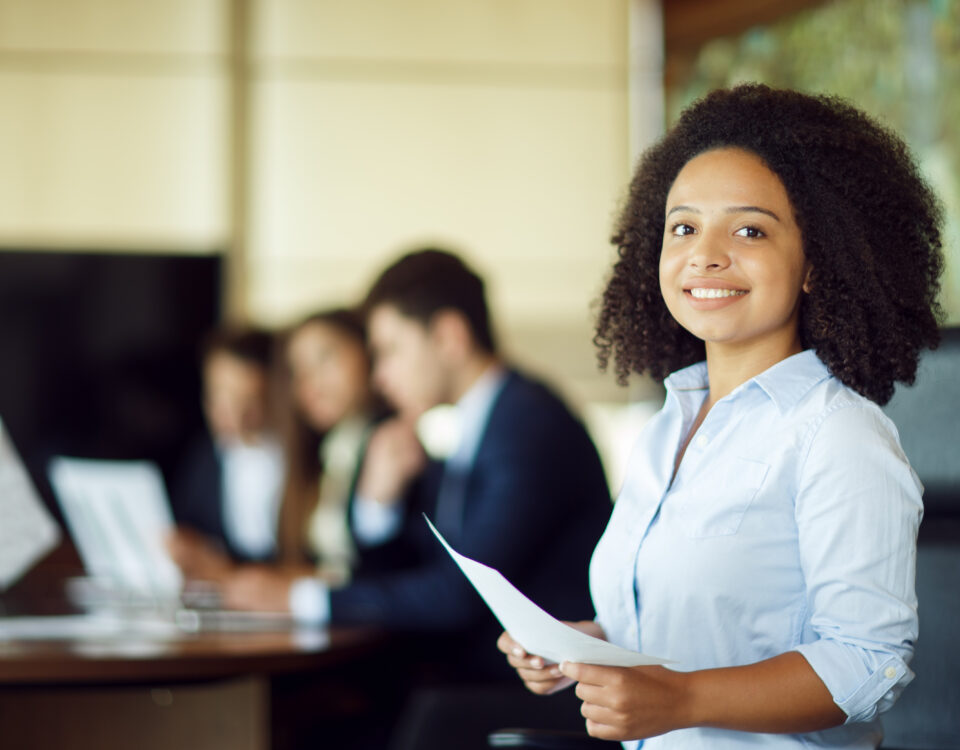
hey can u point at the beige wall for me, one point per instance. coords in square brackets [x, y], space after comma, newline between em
[499, 128]
[112, 124]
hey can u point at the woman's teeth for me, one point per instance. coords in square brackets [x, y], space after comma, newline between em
[716, 293]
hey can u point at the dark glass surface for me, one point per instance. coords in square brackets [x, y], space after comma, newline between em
[99, 353]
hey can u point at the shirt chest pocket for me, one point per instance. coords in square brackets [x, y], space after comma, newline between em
[714, 503]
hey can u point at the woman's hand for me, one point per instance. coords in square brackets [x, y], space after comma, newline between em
[197, 557]
[780, 695]
[628, 703]
[538, 676]
[258, 588]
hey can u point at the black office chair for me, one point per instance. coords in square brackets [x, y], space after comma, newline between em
[927, 415]
[466, 717]
[927, 716]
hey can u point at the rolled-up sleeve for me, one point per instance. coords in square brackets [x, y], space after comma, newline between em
[858, 510]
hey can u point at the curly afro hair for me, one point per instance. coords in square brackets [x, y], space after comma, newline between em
[870, 227]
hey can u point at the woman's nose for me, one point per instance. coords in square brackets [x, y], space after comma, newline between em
[710, 253]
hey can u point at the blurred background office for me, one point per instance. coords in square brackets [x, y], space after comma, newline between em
[166, 165]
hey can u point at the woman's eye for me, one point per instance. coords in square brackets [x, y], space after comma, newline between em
[751, 232]
[681, 230]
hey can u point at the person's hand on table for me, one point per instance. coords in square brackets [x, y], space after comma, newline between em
[538, 676]
[260, 588]
[197, 557]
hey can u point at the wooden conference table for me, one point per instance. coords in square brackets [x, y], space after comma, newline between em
[169, 689]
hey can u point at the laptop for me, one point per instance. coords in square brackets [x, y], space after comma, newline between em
[118, 514]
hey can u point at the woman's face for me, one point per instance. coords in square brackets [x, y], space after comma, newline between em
[330, 374]
[732, 266]
[234, 397]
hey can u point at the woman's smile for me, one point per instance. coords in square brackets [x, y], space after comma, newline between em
[709, 294]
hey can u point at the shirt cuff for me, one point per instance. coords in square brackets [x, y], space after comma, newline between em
[375, 523]
[863, 683]
[310, 601]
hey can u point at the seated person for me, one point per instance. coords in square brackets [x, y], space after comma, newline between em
[524, 490]
[331, 413]
[226, 494]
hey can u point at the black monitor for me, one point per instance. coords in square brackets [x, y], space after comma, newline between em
[99, 352]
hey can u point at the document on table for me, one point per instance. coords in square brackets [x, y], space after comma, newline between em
[27, 531]
[118, 513]
[538, 632]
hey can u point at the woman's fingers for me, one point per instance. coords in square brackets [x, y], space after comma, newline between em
[548, 674]
[537, 675]
[528, 662]
[517, 657]
[506, 644]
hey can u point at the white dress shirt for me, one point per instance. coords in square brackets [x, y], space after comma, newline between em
[252, 484]
[790, 525]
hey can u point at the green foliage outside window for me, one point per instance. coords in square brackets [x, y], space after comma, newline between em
[899, 60]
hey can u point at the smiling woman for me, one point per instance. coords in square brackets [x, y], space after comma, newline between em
[779, 260]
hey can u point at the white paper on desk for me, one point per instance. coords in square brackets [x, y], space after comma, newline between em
[27, 531]
[538, 632]
[118, 514]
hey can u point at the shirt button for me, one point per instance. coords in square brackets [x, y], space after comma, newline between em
[890, 673]
[702, 441]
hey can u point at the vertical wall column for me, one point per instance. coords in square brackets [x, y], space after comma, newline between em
[645, 76]
[234, 290]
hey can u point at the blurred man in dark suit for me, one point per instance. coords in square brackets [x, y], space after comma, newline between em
[522, 488]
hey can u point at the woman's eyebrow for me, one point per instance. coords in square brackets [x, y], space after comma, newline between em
[730, 210]
[752, 209]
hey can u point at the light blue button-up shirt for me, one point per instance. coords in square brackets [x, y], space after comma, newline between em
[791, 524]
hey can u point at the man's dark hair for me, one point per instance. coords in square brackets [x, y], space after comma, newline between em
[870, 227]
[425, 282]
[247, 343]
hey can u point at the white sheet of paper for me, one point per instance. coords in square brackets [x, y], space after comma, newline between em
[538, 632]
[27, 531]
[118, 513]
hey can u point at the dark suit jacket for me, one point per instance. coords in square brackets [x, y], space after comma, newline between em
[534, 504]
[197, 501]
[196, 496]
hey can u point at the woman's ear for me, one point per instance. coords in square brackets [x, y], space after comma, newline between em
[808, 280]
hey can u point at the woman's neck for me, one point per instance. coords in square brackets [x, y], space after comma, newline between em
[730, 366]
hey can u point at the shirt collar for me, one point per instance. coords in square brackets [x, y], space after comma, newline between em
[791, 379]
[692, 378]
[264, 443]
[473, 410]
[785, 383]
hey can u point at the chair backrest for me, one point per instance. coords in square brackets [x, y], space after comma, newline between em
[927, 416]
